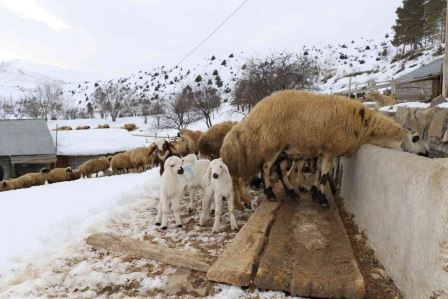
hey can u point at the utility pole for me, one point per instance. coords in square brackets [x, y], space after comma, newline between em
[349, 86]
[445, 66]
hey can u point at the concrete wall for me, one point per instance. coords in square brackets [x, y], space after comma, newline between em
[400, 201]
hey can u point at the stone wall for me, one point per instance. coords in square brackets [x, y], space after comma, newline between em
[400, 201]
[430, 123]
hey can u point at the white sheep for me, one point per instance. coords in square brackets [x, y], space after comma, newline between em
[219, 185]
[171, 191]
[194, 171]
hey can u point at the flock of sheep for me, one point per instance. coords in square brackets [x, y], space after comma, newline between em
[284, 132]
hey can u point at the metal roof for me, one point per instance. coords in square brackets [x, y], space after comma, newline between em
[25, 137]
[430, 70]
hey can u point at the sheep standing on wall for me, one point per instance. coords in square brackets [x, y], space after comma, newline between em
[171, 191]
[219, 188]
[304, 125]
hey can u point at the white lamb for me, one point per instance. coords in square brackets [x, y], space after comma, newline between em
[219, 185]
[171, 191]
[194, 171]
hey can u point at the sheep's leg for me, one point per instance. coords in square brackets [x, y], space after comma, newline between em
[212, 207]
[327, 163]
[159, 213]
[192, 194]
[175, 206]
[236, 189]
[218, 211]
[267, 165]
[165, 211]
[206, 201]
[233, 224]
[283, 173]
[314, 191]
[296, 175]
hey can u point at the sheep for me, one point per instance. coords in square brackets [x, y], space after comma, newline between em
[194, 171]
[82, 127]
[94, 166]
[105, 126]
[171, 190]
[142, 157]
[220, 186]
[164, 149]
[57, 175]
[191, 139]
[304, 125]
[39, 178]
[120, 163]
[63, 128]
[211, 141]
[130, 127]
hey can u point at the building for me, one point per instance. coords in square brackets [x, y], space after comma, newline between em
[25, 146]
[422, 84]
[77, 146]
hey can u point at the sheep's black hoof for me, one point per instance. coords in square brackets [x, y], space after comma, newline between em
[164, 227]
[322, 199]
[314, 192]
[179, 225]
[303, 190]
[256, 182]
[247, 206]
[190, 210]
[212, 211]
[270, 194]
[334, 190]
[158, 223]
[291, 193]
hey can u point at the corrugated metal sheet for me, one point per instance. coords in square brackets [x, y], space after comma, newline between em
[26, 137]
[432, 69]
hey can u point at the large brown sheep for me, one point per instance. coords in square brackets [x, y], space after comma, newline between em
[93, 166]
[120, 163]
[57, 175]
[191, 140]
[142, 157]
[304, 125]
[211, 141]
[39, 178]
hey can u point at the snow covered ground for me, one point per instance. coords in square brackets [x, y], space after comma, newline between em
[45, 254]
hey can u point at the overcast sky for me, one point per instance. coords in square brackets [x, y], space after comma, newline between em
[115, 37]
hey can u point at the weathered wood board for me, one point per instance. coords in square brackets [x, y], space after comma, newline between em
[236, 265]
[175, 257]
[309, 254]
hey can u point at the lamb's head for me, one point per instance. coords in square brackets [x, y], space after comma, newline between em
[174, 165]
[218, 168]
[189, 159]
[414, 144]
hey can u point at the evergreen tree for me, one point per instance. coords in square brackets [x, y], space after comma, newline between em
[435, 14]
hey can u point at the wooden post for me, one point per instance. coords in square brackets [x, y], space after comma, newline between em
[445, 67]
[393, 88]
[349, 86]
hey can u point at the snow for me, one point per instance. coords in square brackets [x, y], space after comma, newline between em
[394, 108]
[443, 105]
[95, 141]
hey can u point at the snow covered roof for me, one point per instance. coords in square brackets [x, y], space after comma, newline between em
[95, 142]
[25, 137]
[431, 69]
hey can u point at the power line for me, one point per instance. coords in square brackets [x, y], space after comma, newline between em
[213, 32]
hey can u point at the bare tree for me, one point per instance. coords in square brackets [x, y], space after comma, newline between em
[156, 109]
[261, 77]
[111, 98]
[179, 110]
[11, 108]
[206, 99]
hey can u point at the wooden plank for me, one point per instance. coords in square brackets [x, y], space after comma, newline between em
[236, 265]
[309, 254]
[175, 257]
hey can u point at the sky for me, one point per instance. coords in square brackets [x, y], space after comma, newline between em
[116, 37]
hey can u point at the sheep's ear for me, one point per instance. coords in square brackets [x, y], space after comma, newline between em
[69, 169]
[45, 170]
[4, 184]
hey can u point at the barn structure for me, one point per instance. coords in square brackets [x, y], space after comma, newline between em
[26, 146]
[77, 146]
[422, 84]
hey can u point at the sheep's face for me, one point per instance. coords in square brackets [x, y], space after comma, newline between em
[159, 144]
[217, 168]
[189, 159]
[414, 144]
[3, 186]
[174, 165]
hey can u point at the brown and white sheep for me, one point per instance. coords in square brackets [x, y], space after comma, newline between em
[93, 166]
[142, 157]
[304, 125]
[57, 175]
[211, 141]
[120, 163]
[82, 127]
[164, 150]
[191, 140]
